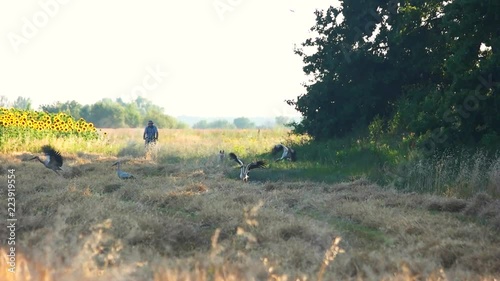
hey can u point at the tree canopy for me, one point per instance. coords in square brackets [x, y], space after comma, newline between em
[424, 68]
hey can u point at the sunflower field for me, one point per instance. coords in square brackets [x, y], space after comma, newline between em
[25, 125]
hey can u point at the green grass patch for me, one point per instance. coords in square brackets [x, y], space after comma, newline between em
[366, 236]
[371, 236]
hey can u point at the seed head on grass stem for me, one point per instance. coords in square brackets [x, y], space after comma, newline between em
[250, 214]
[330, 255]
[216, 247]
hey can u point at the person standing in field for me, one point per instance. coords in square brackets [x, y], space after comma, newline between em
[150, 135]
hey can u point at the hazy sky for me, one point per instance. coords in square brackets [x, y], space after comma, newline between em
[189, 58]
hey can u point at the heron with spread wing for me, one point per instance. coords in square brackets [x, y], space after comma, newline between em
[245, 169]
[288, 153]
[121, 174]
[53, 159]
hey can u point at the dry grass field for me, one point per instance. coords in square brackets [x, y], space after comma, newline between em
[187, 216]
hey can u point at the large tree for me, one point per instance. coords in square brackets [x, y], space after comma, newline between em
[351, 79]
[427, 67]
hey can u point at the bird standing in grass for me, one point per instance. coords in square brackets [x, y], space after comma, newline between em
[288, 153]
[221, 156]
[121, 174]
[53, 160]
[245, 169]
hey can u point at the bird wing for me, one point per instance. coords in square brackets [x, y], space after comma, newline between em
[54, 157]
[235, 158]
[276, 148]
[47, 160]
[285, 152]
[257, 164]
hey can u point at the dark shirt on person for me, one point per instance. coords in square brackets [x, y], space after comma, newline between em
[150, 133]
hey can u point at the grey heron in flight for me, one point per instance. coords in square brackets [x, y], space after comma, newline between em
[53, 159]
[245, 169]
[121, 174]
[288, 153]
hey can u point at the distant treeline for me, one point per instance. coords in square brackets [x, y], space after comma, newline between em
[107, 113]
[241, 123]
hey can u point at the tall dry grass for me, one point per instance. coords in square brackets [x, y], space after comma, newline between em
[462, 174]
[190, 144]
[187, 216]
